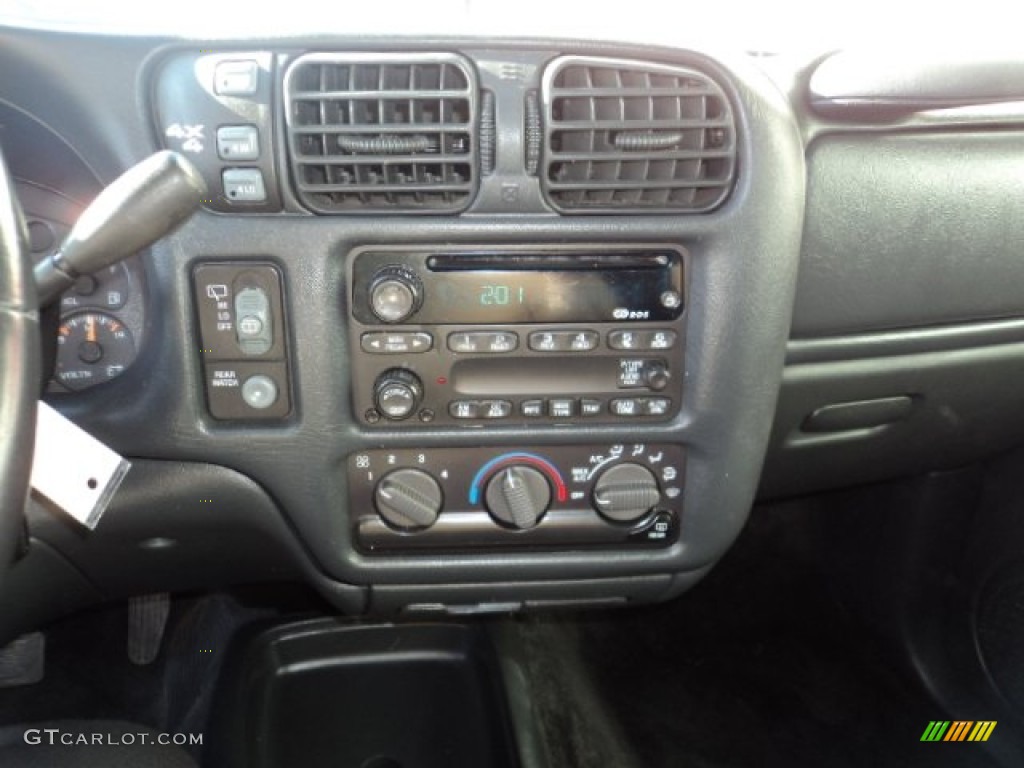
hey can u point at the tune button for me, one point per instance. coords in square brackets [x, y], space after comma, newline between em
[397, 393]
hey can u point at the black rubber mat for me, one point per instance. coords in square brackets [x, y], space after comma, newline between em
[757, 666]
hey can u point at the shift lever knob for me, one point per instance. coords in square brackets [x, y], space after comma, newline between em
[142, 205]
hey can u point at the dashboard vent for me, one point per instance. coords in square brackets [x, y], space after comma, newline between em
[635, 136]
[382, 132]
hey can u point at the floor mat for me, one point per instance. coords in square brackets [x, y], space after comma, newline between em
[756, 666]
[89, 675]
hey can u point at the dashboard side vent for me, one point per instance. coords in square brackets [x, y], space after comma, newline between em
[372, 132]
[635, 136]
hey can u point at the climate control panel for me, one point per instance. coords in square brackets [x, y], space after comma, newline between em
[464, 499]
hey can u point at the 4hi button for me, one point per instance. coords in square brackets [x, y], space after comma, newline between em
[259, 392]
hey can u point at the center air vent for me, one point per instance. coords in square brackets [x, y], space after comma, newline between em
[382, 132]
[627, 135]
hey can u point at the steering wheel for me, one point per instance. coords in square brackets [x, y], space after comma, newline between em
[19, 369]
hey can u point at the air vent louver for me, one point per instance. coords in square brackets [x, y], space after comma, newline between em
[635, 136]
[382, 132]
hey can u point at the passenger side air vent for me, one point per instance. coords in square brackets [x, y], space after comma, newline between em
[382, 132]
[634, 136]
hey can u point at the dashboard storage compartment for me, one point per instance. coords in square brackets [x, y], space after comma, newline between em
[323, 694]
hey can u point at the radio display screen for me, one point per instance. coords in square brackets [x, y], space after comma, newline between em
[503, 289]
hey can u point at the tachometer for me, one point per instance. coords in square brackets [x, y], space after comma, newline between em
[92, 347]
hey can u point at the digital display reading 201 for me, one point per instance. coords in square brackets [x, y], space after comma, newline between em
[489, 288]
[500, 295]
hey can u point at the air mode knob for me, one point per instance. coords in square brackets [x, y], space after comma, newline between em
[518, 496]
[409, 499]
[397, 393]
[626, 492]
[396, 294]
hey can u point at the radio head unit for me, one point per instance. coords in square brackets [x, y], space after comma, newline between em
[518, 288]
[463, 336]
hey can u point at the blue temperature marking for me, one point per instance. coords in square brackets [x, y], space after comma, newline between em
[474, 488]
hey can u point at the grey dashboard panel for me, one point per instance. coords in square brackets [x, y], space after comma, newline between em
[870, 82]
[910, 229]
[744, 261]
[956, 406]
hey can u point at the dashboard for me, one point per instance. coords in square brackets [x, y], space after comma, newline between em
[469, 325]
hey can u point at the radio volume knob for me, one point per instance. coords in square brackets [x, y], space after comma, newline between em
[396, 294]
[518, 496]
[397, 393]
[626, 492]
[408, 499]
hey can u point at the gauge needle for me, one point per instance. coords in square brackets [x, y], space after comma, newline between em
[90, 330]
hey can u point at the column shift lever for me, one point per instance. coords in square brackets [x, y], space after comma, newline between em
[142, 205]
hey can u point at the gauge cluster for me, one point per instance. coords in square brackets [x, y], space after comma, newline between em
[101, 315]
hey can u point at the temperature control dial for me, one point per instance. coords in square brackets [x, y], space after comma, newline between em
[626, 492]
[396, 293]
[518, 496]
[408, 499]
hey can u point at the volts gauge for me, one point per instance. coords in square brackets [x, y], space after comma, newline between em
[92, 348]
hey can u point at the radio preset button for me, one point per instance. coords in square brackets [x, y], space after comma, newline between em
[382, 343]
[583, 341]
[487, 342]
[590, 407]
[661, 339]
[561, 407]
[500, 341]
[563, 341]
[625, 340]
[642, 340]
[463, 342]
[532, 409]
[543, 341]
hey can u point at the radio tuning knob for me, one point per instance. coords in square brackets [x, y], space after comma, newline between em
[396, 294]
[626, 492]
[518, 496]
[397, 393]
[408, 499]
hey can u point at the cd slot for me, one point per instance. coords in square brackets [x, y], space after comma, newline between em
[553, 261]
